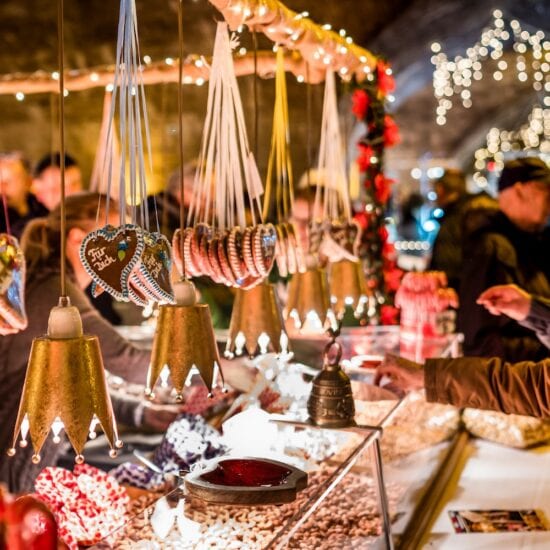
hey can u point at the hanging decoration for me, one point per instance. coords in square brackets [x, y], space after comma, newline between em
[13, 317]
[533, 137]
[219, 241]
[455, 76]
[256, 325]
[376, 252]
[279, 191]
[334, 235]
[130, 262]
[308, 309]
[184, 341]
[319, 46]
[65, 386]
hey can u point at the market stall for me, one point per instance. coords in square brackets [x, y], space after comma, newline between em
[283, 439]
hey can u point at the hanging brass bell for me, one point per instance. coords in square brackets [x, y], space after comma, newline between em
[184, 343]
[308, 305]
[256, 323]
[348, 288]
[330, 403]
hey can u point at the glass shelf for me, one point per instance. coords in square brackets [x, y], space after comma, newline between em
[349, 502]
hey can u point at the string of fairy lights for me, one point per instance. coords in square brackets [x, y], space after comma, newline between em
[454, 77]
[196, 68]
[534, 135]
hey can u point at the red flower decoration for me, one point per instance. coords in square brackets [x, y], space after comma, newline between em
[392, 279]
[391, 131]
[360, 103]
[362, 219]
[363, 159]
[388, 251]
[382, 188]
[389, 315]
[386, 82]
[383, 232]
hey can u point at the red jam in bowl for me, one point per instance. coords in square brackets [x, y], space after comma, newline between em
[246, 472]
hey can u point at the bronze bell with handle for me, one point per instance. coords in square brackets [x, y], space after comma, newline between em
[330, 404]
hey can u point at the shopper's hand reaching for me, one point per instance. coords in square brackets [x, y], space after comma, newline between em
[404, 375]
[508, 299]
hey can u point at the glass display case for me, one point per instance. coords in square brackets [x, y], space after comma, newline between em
[364, 485]
[367, 485]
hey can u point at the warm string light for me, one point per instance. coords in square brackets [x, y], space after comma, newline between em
[320, 45]
[533, 135]
[196, 72]
[455, 76]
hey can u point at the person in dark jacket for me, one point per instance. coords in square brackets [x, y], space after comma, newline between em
[15, 188]
[493, 384]
[457, 204]
[507, 247]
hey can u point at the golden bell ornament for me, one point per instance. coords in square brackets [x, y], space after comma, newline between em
[184, 343]
[308, 305]
[65, 387]
[256, 323]
[348, 288]
[330, 404]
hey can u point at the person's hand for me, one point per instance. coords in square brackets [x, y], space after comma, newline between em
[508, 299]
[159, 417]
[239, 375]
[404, 375]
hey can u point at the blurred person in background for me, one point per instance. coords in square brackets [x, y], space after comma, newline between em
[46, 183]
[15, 186]
[165, 206]
[507, 246]
[457, 205]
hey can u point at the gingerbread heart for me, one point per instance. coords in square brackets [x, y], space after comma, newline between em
[12, 286]
[264, 240]
[235, 253]
[154, 269]
[110, 254]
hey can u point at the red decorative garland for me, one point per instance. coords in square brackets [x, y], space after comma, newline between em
[378, 255]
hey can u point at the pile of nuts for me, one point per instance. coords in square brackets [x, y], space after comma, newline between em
[349, 516]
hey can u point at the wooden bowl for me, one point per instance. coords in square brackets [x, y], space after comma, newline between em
[246, 482]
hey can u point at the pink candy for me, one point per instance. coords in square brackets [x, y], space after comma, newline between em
[88, 504]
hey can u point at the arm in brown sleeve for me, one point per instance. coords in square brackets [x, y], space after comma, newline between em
[514, 388]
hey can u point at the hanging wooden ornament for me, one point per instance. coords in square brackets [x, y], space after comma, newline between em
[279, 191]
[338, 236]
[220, 241]
[308, 309]
[130, 262]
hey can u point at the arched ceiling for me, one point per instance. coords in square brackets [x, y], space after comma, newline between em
[401, 30]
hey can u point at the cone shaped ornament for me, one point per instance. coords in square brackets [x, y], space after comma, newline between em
[348, 287]
[308, 306]
[65, 387]
[184, 341]
[256, 323]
